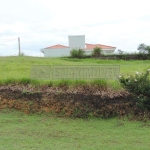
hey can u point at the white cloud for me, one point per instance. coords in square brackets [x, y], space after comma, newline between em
[41, 23]
[15, 28]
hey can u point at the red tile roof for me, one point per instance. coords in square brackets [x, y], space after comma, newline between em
[57, 46]
[88, 46]
[92, 46]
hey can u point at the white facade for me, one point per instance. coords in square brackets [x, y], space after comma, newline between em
[104, 51]
[108, 51]
[77, 41]
[56, 52]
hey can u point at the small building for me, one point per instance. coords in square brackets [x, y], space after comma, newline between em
[75, 42]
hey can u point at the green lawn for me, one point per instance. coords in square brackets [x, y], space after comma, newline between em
[19, 67]
[42, 132]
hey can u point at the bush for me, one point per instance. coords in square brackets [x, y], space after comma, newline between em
[22, 54]
[77, 53]
[81, 53]
[139, 85]
[97, 51]
[74, 53]
[143, 56]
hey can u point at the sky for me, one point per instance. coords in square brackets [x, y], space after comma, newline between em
[123, 24]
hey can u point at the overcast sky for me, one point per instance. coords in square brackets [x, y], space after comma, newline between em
[42, 23]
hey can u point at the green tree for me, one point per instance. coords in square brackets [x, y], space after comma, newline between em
[143, 48]
[148, 49]
[97, 51]
[81, 53]
[74, 53]
[77, 53]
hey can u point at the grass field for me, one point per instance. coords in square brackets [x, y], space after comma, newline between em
[42, 132]
[19, 67]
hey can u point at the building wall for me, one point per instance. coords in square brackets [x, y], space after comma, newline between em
[57, 52]
[61, 52]
[108, 51]
[104, 51]
[77, 41]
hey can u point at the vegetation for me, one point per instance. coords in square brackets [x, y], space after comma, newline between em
[77, 53]
[40, 132]
[19, 67]
[22, 54]
[143, 48]
[97, 51]
[12, 72]
[35, 82]
[49, 131]
[125, 56]
[139, 85]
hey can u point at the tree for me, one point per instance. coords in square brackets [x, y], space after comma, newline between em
[97, 51]
[77, 53]
[143, 48]
[81, 53]
[148, 49]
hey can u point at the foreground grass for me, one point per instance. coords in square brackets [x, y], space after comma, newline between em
[40, 132]
[19, 67]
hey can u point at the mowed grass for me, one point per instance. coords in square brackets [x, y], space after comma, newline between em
[19, 67]
[47, 131]
[42, 132]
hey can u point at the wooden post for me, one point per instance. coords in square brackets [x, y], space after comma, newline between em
[19, 46]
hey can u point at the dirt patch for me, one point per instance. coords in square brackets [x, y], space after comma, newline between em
[79, 101]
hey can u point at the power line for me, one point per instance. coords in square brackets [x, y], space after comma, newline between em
[10, 44]
[8, 40]
[3, 45]
[7, 46]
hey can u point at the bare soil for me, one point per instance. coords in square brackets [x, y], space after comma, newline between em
[79, 101]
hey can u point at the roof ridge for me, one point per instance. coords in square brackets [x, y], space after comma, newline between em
[100, 45]
[55, 46]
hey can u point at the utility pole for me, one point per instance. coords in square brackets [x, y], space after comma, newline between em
[19, 46]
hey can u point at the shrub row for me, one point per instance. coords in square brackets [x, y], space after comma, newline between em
[97, 53]
[79, 53]
[139, 85]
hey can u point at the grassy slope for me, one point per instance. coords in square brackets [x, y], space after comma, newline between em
[18, 131]
[19, 67]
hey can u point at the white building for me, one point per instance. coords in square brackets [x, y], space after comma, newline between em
[75, 42]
